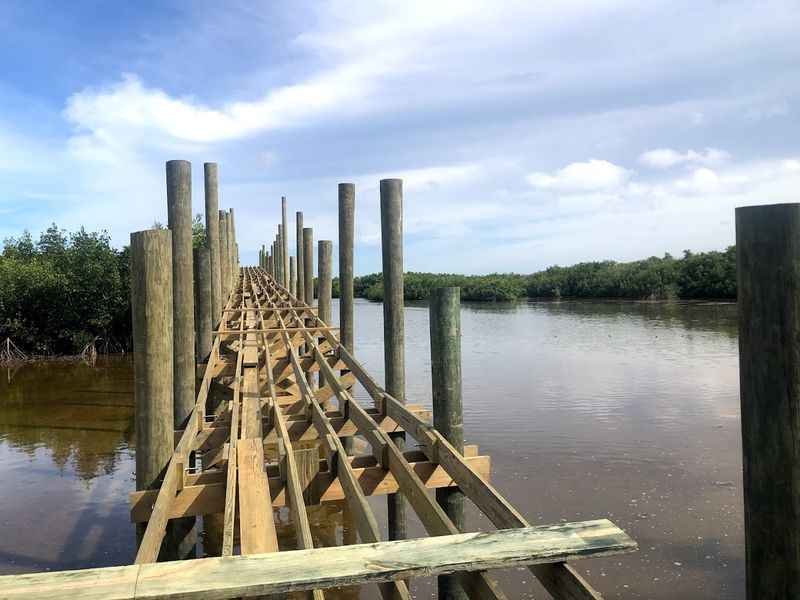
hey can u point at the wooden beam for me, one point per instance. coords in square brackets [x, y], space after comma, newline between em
[278, 573]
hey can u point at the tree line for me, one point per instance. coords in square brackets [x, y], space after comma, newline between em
[693, 276]
[65, 290]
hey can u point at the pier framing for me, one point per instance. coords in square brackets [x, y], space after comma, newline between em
[272, 414]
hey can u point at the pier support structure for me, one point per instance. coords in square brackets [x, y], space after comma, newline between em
[448, 416]
[203, 296]
[768, 276]
[211, 180]
[391, 191]
[301, 290]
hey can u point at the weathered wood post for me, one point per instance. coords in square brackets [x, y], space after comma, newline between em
[347, 203]
[270, 267]
[232, 250]
[279, 247]
[182, 534]
[202, 303]
[179, 216]
[151, 312]
[325, 289]
[308, 280]
[224, 263]
[308, 265]
[292, 276]
[768, 275]
[448, 416]
[325, 280]
[285, 245]
[391, 191]
[299, 252]
[212, 238]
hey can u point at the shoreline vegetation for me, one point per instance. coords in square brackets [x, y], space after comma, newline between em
[69, 290]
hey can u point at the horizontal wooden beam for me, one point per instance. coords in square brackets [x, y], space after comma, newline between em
[209, 498]
[283, 572]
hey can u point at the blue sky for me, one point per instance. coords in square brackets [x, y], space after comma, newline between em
[527, 133]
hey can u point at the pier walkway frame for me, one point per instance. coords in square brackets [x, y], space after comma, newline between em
[274, 438]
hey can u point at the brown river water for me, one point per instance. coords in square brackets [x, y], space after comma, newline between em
[589, 409]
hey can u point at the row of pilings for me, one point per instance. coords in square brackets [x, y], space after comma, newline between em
[179, 295]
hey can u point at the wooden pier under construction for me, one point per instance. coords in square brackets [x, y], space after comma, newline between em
[271, 425]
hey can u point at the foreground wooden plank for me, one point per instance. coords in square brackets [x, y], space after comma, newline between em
[256, 575]
[256, 525]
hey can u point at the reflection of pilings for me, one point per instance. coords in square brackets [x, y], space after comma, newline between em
[767, 258]
[445, 331]
[151, 312]
[391, 191]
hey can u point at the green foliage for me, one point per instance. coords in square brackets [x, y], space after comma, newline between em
[703, 275]
[198, 231]
[59, 294]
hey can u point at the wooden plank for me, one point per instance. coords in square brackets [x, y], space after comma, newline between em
[252, 576]
[256, 525]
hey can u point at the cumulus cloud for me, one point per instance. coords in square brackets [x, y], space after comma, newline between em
[663, 158]
[593, 174]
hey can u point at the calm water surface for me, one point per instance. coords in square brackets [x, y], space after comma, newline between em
[588, 409]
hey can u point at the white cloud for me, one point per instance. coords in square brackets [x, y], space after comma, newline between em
[663, 158]
[591, 175]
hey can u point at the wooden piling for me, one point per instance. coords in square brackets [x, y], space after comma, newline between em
[179, 215]
[203, 297]
[234, 267]
[308, 265]
[151, 312]
[391, 192]
[292, 276]
[448, 416]
[768, 272]
[299, 252]
[347, 201]
[224, 263]
[211, 181]
[325, 280]
[285, 244]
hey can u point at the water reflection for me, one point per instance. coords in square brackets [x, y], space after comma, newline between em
[589, 409]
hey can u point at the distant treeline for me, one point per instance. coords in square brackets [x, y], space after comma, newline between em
[695, 275]
[65, 290]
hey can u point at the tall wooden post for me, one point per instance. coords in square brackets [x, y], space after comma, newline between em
[292, 276]
[202, 303]
[212, 237]
[279, 249]
[308, 265]
[285, 245]
[301, 289]
[151, 312]
[393, 326]
[224, 263]
[179, 215]
[448, 416]
[325, 280]
[768, 274]
[234, 267]
[347, 202]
